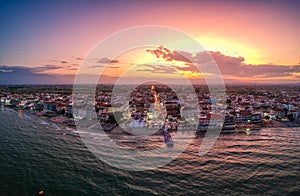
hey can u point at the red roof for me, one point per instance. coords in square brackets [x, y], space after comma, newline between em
[212, 116]
[245, 112]
[277, 109]
[61, 104]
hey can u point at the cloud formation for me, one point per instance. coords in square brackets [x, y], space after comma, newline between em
[46, 68]
[233, 66]
[168, 55]
[103, 62]
[97, 66]
[161, 69]
[228, 66]
[107, 61]
[37, 75]
[233, 69]
[113, 67]
[60, 61]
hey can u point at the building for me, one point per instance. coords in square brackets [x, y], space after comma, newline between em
[246, 116]
[210, 120]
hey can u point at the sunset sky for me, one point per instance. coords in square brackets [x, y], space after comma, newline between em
[251, 41]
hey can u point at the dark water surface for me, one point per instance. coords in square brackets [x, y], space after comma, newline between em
[37, 155]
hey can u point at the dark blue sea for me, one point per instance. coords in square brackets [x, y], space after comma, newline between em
[39, 155]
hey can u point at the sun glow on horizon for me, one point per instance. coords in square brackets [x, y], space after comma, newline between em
[232, 48]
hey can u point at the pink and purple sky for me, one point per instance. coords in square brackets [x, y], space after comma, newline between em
[251, 41]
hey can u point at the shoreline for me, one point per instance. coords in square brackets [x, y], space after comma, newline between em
[117, 130]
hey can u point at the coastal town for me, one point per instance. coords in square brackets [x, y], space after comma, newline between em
[151, 107]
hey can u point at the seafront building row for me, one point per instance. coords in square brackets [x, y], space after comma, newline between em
[150, 109]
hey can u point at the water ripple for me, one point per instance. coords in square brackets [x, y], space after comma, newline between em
[35, 155]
